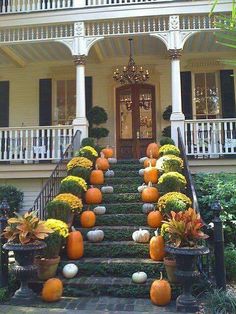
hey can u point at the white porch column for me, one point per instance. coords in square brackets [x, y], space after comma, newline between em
[177, 116]
[80, 122]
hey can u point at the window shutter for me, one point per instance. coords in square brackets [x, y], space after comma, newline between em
[186, 93]
[4, 103]
[45, 102]
[88, 93]
[227, 93]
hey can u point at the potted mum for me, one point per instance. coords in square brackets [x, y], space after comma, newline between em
[24, 235]
[48, 261]
[183, 234]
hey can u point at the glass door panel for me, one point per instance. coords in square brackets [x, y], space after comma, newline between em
[126, 114]
[145, 114]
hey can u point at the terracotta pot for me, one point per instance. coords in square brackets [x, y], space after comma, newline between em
[170, 266]
[47, 267]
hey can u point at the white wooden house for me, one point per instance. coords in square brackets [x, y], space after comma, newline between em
[57, 59]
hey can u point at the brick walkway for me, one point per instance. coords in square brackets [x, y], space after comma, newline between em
[86, 305]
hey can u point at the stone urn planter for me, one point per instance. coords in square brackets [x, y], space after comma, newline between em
[24, 268]
[187, 274]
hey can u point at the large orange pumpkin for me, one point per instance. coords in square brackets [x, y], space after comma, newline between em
[150, 194]
[150, 174]
[93, 196]
[108, 152]
[96, 176]
[102, 163]
[157, 247]
[75, 245]
[52, 290]
[152, 150]
[160, 292]
[149, 162]
[87, 219]
[154, 219]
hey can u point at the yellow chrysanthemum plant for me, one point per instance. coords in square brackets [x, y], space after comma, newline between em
[80, 167]
[74, 202]
[88, 152]
[74, 185]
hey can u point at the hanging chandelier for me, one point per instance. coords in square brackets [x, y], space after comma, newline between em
[131, 74]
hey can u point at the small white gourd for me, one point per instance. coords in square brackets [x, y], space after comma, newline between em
[147, 208]
[95, 235]
[142, 187]
[99, 210]
[112, 160]
[139, 277]
[141, 160]
[109, 173]
[70, 270]
[107, 189]
[141, 236]
[141, 172]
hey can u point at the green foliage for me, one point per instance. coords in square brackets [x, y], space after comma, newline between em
[97, 115]
[54, 242]
[219, 302]
[167, 113]
[13, 196]
[169, 149]
[173, 201]
[4, 294]
[98, 132]
[168, 163]
[166, 131]
[166, 140]
[222, 186]
[171, 181]
[58, 210]
[80, 172]
[230, 262]
[88, 141]
[71, 187]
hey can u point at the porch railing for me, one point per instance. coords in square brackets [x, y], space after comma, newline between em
[29, 144]
[212, 138]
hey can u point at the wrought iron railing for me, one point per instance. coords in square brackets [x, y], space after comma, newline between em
[52, 186]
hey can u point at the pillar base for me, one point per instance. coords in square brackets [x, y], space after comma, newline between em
[82, 125]
[177, 120]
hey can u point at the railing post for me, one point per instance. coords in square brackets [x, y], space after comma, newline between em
[4, 207]
[219, 246]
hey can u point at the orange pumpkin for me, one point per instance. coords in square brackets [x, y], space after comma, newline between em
[52, 290]
[150, 194]
[75, 245]
[154, 219]
[102, 163]
[93, 196]
[160, 292]
[152, 150]
[88, 219]
[149, 162]
[157, 247]
[96, 176]
[108, 152]
[150, 174]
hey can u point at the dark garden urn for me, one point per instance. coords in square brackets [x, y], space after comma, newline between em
[187, 274]
[24, 268]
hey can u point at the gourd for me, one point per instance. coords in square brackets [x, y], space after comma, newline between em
[147, 208]
[93, 196]
[141, 172]
[52, 290]
[109, 173]
[70, 270]
[139, 277]
[74, 245]
[157, 247]
[154, 219]
[88, 219]
[150, 161]
[150, 194]
[107, 189]
[102, 163]
[99, 210]
[152, 150]
[142, 160]
[112, 160]
[142, 187]
[150, 174]
[96, 176]
[141, 236]
[95, 235]
[160, 292]
[108, 152]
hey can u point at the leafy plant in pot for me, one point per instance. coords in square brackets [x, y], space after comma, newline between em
[24, 234]
[183, 234]
[48, 261]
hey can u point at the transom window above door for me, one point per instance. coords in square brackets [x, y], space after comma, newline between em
[206, 97]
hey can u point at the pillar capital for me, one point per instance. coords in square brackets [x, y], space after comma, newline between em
[174, 54]
[79, 59]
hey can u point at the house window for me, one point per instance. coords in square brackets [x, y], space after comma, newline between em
[65, 101]
[206, 98]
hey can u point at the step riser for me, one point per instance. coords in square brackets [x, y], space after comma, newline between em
[121, 198]
[121, 220]
[122, 188]
[124, 167]
[120, 180]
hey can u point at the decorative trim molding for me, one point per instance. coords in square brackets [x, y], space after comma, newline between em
[174, 54]
[79, 59]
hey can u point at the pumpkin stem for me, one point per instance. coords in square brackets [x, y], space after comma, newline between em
[156, 232]
[96, 167]
[102, 155]
[161, 276]
[73, 229]
[149, 184]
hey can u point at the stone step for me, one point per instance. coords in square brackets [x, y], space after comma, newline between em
[122, 187]
[121, 220]
[118, 267]
[133, 167]
[116, 233]
[124, 180]
[116, 249]
[121, 198]
[127, 161]
[126, 173]
[122, 208]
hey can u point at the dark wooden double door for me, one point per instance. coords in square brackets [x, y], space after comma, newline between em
[136, 122]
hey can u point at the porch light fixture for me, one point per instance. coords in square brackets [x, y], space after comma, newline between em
[131, 74]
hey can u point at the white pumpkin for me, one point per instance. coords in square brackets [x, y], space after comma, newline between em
[109, 173]
[112, 160]
[141, 236]
[141, 172]
[147, 208]
[141, 160]
[99, 210]
[107, 189]
[70, 270]
[142, 187]
[139, 277]
[95, 235]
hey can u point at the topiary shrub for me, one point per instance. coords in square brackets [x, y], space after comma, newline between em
[166, 131]
[166, 140]
[167, 113]
[171, 182]
[168, 163]
[98, 133]
[175, 201]
[13, 196]
[169, 149]
[88, 141]
[97, 115]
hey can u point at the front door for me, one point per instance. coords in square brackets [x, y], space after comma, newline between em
[136, 123]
